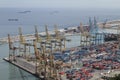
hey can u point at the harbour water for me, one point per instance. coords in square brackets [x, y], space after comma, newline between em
[40, 17]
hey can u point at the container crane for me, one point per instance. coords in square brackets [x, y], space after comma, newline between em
[22, 40]
[12, 49]
[41, 55]
[38, 38]
[49, 50]
[84, 39]
[60, 39]
[95, 26]
[98, 36]
[46, 49]
[24, 43]
[38, 58]
[48, 37]
[36, 34]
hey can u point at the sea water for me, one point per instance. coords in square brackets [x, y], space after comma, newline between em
[38, 16]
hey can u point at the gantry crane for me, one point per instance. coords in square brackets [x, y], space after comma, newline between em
[38, 57]
[60, 40]
[37, 35]
[12, 49]
[24, 43]
[97, 33]
[47, 65]
[85, 36]
[41, 57]
[44, 56]
[49, 48]
[96, 37]
[48, 37]
[38, 38]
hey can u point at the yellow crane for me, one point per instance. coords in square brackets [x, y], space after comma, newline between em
[38, 58]
[41, 61]
[85, 36]
[49, 50]
[60, 39]
[45, 57]
[24, 44]
[22, 40]
[12, 49]
[37, 52]
[48, 37]
[38, 38]
[10, 42]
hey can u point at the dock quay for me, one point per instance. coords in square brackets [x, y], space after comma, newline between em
[48, 57]
[24, 65]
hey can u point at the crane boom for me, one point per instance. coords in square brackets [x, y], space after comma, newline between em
[47, 33]
[56, 32]
[9, 41]
[36, 33]
[22, 40]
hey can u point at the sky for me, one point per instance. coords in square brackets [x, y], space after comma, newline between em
[60, 4]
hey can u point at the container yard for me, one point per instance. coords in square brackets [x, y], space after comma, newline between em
[46, 55]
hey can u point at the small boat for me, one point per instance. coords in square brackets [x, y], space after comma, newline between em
[12, 19]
